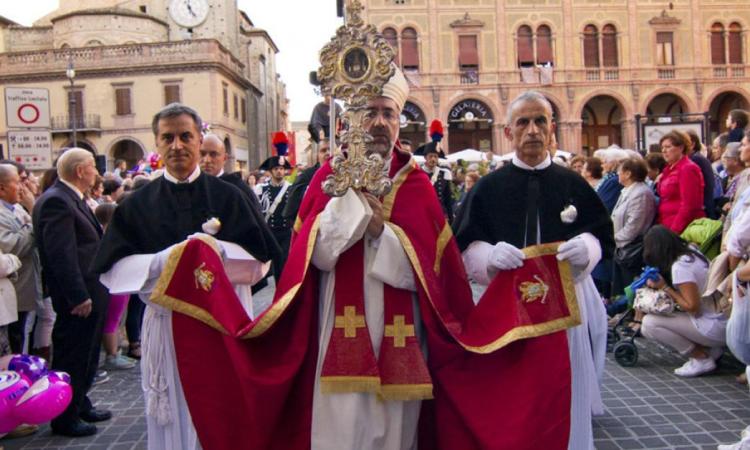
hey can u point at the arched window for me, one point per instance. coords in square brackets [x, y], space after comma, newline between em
[609, 46]
[590, 46]
[525, 44]
[391, 37]
[409, 49]
[735, 43]
[544, 45]
[718, 49]
[94, 43]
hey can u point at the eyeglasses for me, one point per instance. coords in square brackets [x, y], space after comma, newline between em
[388, 115]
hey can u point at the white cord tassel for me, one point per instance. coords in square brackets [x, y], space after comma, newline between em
[155, 383]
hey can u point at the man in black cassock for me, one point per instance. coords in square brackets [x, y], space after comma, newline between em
[273, 198]
[176, 205]
[533, 201]
[139, 241]
[213, 158]
[299, 187]
[440, 178]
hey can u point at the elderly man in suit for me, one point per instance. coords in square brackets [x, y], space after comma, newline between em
[17, 238]
[68, 238]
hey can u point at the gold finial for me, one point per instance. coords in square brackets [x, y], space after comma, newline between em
[354, 67]
[354, 10]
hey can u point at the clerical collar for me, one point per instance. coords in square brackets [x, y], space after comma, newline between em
[220, 173]
[75, 189]
[542, 165]
[193, 176]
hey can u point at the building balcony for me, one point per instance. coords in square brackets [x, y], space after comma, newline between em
[122, 58]
[86, 122]
[554, 76]
[729, 71]
[469, 76]
[608, 74]
[665, 73]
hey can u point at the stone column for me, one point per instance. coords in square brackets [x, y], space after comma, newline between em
[570, 136]
[498, 140]
[627, 130]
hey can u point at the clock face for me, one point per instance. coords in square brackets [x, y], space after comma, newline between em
[188, 13]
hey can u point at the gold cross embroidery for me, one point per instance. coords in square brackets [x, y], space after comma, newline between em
[399, 331]
[350, 321]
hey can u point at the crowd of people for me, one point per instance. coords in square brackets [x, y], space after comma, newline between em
[78, 261]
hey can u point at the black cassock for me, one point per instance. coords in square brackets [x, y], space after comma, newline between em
[163, 213]
[499, 206]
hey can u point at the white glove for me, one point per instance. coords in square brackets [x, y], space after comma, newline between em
[575, 252]
[505, 256]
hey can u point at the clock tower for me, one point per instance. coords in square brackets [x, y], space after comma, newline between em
[201, 19]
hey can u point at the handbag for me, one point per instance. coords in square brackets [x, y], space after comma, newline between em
[630, 256]
[652, 301]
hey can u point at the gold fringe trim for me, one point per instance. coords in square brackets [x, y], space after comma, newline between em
[405, 392]
[523, 332]
[541, 249]
[297, 224]
[390, 199]
[445, 237]
[349, 384]
[275, 311]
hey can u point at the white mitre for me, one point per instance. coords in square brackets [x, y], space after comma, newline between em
[397, 88]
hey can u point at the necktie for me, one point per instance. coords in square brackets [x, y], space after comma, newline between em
[532, 209]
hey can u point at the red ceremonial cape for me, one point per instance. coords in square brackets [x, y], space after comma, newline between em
[493, 387]
[242, 393]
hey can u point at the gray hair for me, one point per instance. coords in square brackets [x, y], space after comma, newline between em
[175, 110]
[528, 96]
[211, 136]
[6, 171]
[69, 161]
[732, 150]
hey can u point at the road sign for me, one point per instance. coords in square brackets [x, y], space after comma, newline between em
[27, 107]
[33, 149]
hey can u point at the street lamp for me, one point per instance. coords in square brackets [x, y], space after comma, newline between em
[71, 74]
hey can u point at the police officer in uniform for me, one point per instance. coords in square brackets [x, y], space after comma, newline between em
[273, 197]
[440, 178]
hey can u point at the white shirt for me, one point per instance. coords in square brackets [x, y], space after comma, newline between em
[75, 189]
[193, 176]
[709, 323]
[542, 165]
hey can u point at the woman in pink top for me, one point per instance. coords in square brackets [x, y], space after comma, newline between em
[680, 185]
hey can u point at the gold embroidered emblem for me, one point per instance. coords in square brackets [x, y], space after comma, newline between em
[399, 331]
[204, 278]
[350, 321]
[531, 292]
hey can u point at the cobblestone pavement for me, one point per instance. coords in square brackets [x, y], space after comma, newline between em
[647, 407]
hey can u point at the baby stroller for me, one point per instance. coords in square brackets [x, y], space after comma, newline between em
[706, 235]
[620, 337]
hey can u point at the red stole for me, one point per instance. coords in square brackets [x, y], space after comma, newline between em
[400, 372]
